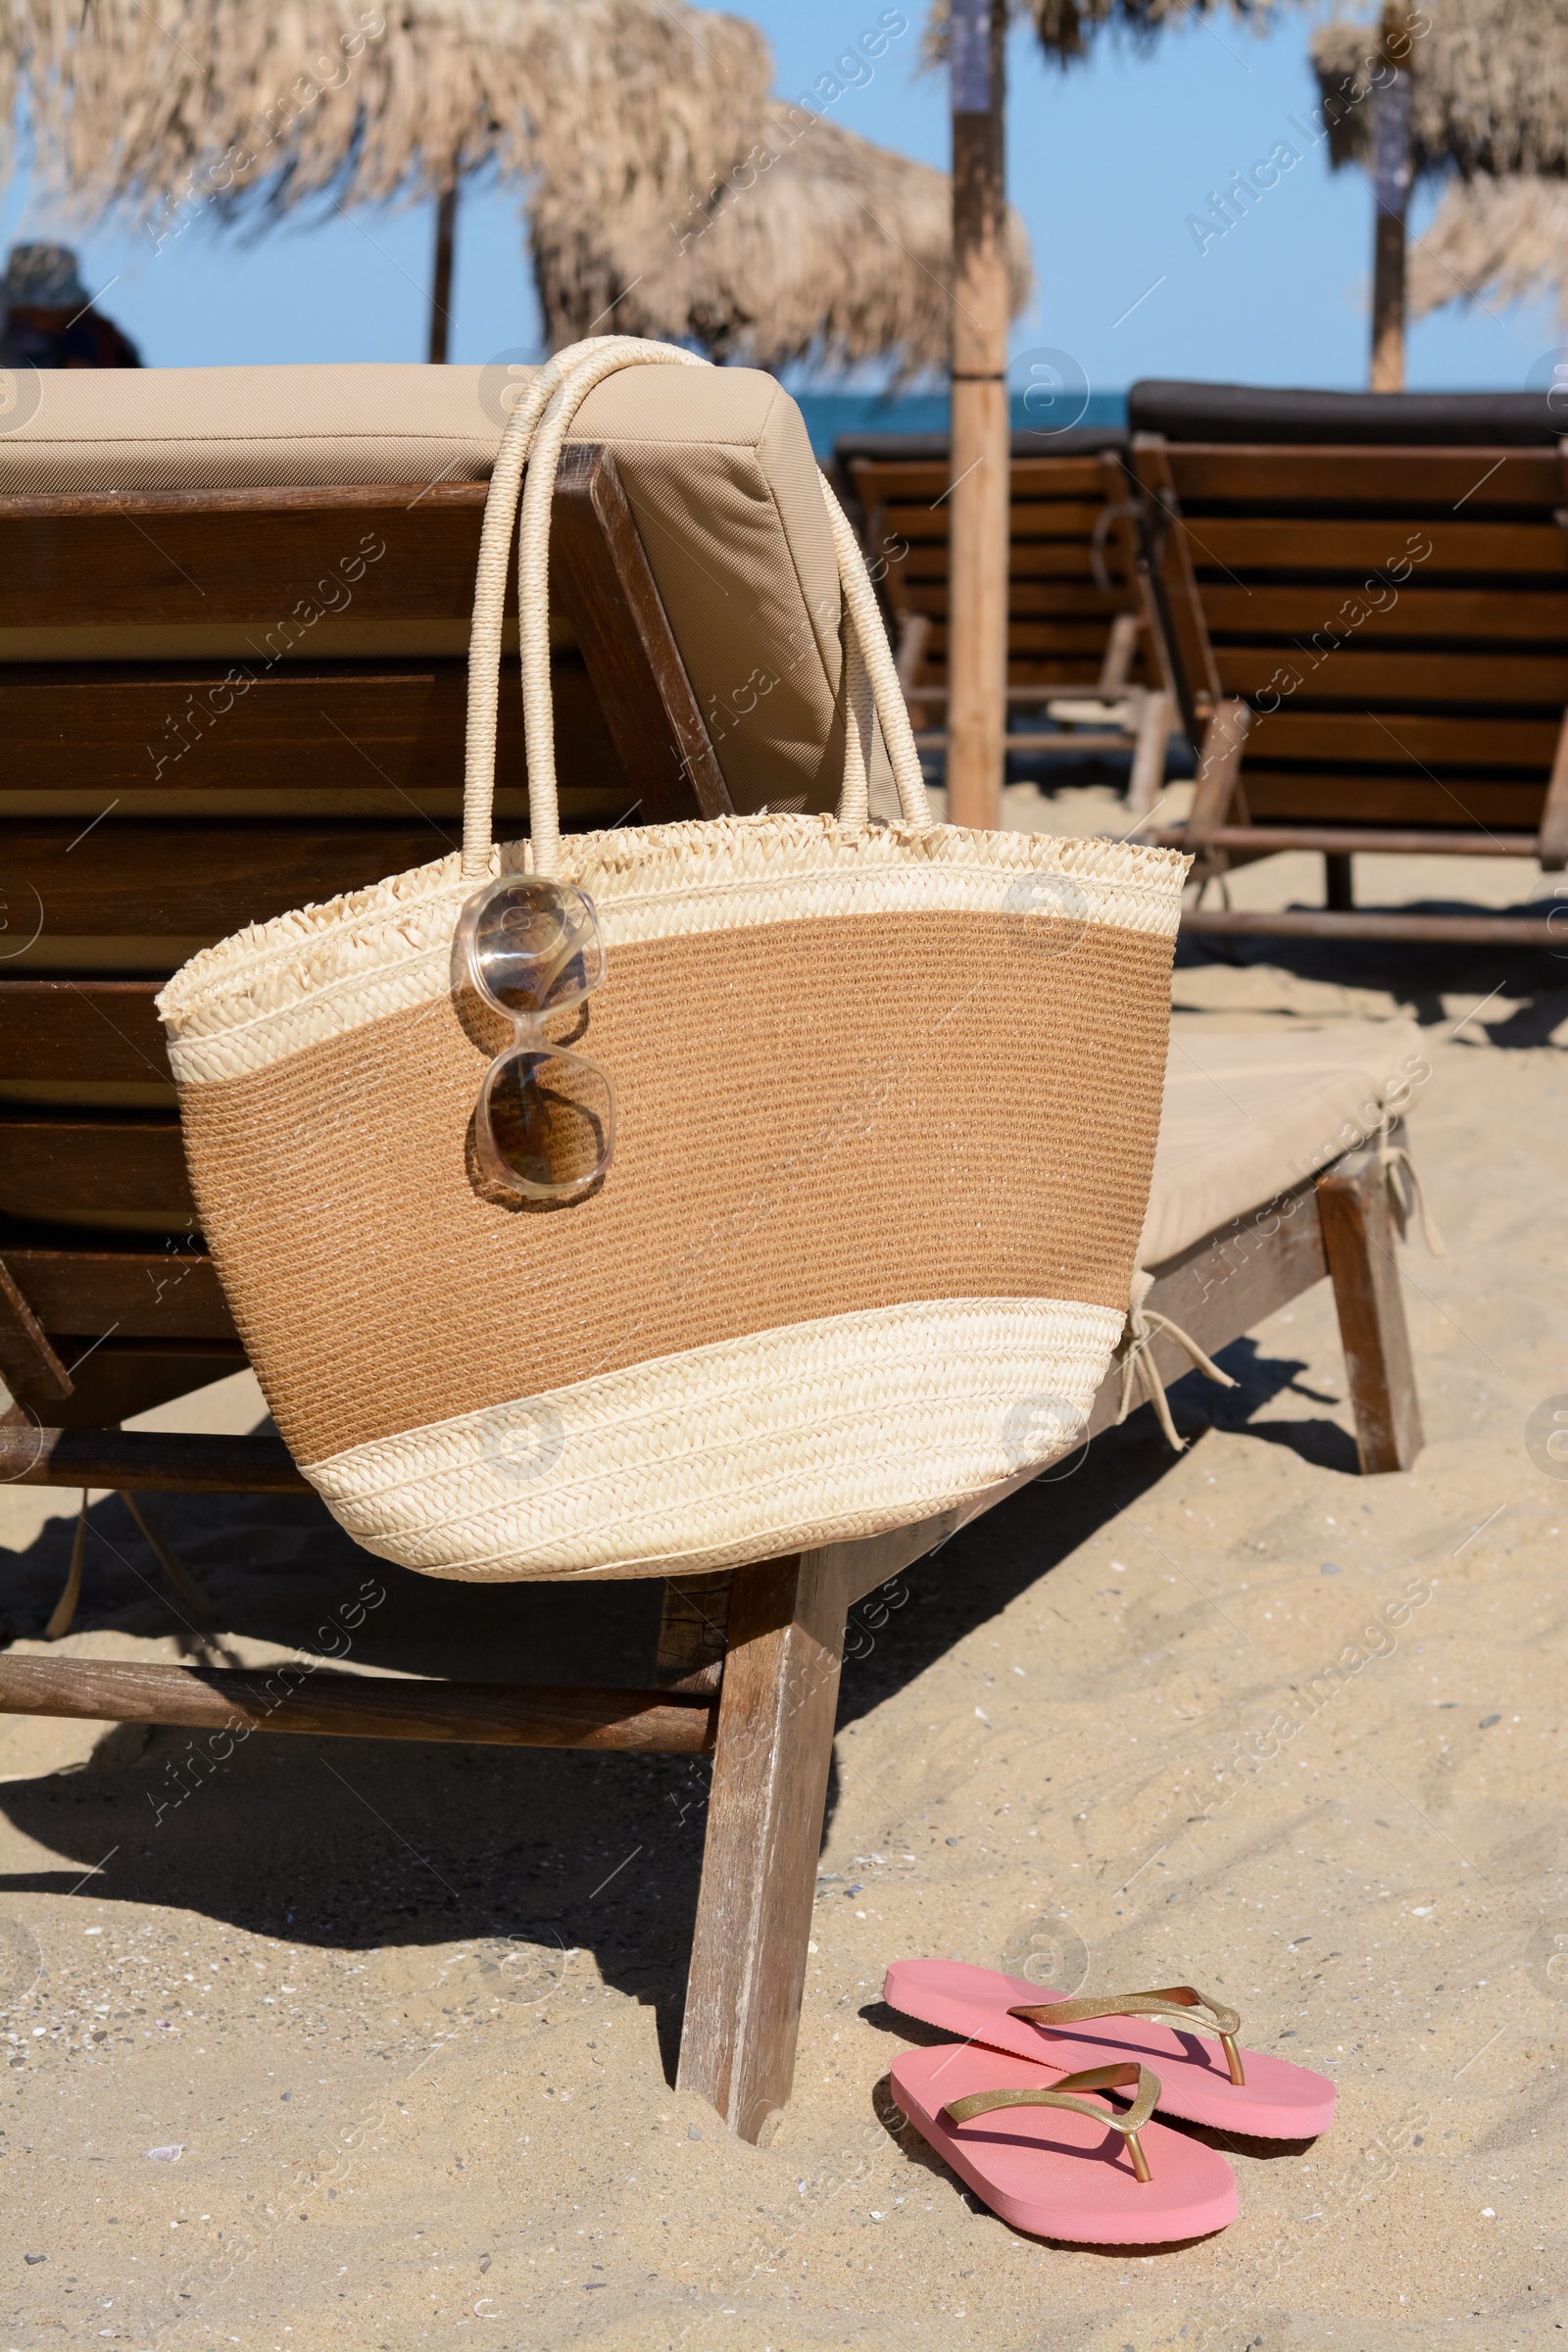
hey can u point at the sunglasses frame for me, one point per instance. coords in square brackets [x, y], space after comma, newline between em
[529, 1035]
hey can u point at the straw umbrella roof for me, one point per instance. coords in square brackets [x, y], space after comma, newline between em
[1493, 241]
[143, 106]
[1066, 27]
[1489, 88]
[837, 251]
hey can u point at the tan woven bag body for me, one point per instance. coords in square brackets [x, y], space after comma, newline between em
[888, 1098]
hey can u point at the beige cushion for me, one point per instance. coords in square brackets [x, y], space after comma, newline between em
[1248, 1116]
[716, 463]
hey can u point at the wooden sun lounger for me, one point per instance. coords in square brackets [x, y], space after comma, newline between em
[108, 1301]
[1370, 644]
[1078, 653]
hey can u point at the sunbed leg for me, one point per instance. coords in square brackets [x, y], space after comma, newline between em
[1358, 1238]
[765, 1828]
[1339, 894]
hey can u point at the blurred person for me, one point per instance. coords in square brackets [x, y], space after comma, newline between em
[47, 319]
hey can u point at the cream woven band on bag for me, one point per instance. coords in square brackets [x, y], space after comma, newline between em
[887, 1106]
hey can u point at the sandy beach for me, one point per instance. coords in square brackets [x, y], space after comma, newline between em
[371, 2046]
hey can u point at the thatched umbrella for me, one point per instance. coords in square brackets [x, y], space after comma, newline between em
[819, 247]
[1493, 241]
[1482, 94]
[158, 109]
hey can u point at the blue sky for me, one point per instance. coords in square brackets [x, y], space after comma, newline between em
[1107, 162]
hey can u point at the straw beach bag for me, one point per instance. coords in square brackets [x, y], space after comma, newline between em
[686, 1196]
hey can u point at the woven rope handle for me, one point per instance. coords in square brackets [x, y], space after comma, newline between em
[534, 436]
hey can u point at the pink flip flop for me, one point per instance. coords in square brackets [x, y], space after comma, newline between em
[1204, 2082]
[1049, 2156]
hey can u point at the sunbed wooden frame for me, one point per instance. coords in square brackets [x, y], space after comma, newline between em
[748, 1664]
[1435, 721]
[1078, 649]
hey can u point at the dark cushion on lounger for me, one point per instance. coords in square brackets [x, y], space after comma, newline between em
[906, 448]
[1252, 413]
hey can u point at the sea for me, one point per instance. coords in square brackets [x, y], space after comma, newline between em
[829, 413]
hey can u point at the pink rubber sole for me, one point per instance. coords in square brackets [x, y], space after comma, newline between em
[1053, 2172]
[1278, 2101]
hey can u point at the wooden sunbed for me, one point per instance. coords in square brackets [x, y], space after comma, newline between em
[1078, 653]
[1369, 636]
[109, 1303]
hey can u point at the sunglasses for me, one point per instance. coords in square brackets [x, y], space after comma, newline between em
[545, 1126]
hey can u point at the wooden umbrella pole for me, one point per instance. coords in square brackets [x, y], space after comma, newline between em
[446, 226]
[1391, 198]
[977, 631]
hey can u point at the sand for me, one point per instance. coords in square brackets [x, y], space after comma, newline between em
[401, 2022]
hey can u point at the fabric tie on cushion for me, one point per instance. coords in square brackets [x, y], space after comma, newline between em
[1137, 1367]
[1405, 1197]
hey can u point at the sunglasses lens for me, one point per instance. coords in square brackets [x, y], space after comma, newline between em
[548, 1120]
[534, 944]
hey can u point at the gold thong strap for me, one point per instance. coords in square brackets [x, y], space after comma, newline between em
[1171, 2000]
[1095, 2078]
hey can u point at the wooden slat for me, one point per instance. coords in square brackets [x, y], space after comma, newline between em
[1374, 476]
[881, 481]
[1275, 609]
[1352, 672]
[1399, 737]
[113, 1378]
[1346, 796]
[1366, 545]
[102, 1031]
[148, 1461]
[1344, 840]
[300, 726]
[1028, 518]
[1031, 604]
[166, 876]
[1439, 930]
[61, 1164]
[1028, 559]
[137, 1290]
[169, 557]
[357, 1707]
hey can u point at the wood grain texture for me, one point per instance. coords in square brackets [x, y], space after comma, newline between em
[269, 557]
[1443, 930]
[1217, 791]
[61, 1163]
[1358, 1234]
[170, 876]
[296, 726]
[29, 1364]
[96, 1031]
[764, 1827]
[1410, 841]
[147, 1461]
[137, 1288]
[693, 1627]
[354, 1707]
[1374, 476]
